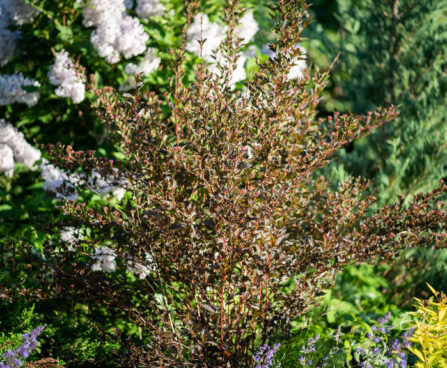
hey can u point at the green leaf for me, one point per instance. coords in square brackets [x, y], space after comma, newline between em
[65, 33]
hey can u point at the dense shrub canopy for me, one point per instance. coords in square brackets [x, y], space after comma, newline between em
[198, 228]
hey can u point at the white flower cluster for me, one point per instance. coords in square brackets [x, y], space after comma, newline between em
[247, 28]
[298, 64]
[96, 12]
[6, 160]
[105, 186]
[213, 34]
[105, 259]
[57, 181]
[70, 235]
[238, 73]
[128, 4]
[14, 148]
[116, 33]
[63, 74]
[18, 11]
[149, 64]
[146, 66]
[11, 90]
[149, 8]
[12, 12]
[8, 38]
[64, 186]
[141, 270]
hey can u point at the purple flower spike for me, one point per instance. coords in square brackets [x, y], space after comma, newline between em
[264, 356]
[29, 343]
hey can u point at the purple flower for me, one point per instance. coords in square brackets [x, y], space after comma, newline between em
[264, 356]
[23, 350]
[29, 343]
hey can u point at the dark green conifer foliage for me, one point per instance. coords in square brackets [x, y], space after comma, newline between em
[394, 52]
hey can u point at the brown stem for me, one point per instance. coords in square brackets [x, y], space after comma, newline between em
[221, 320]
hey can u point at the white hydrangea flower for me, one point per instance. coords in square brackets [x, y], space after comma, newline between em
[63, 74]
[142, 270]
[146, 66]
[6, 160]
[114, 191]
[57, 181]
[149, 64]
[8, 41]
[247, 27]
[53, 177]
[133, 38]
[105, 186]
[11, 90]
[18, 11]
[70, 236]
[23, 152]
[128, 4]
[119, 36]
[64, 186]
[298, 64]
[8, 38]
[12, 12]
[149, 8]
[202, 29]
[213, 34]
[239, 71]
[116, 33]
[103, 39]
[97, 12]
[105, 259]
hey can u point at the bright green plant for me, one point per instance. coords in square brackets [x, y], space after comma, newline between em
[430, 334]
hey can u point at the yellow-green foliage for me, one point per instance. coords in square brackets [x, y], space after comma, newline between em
[430, 335]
